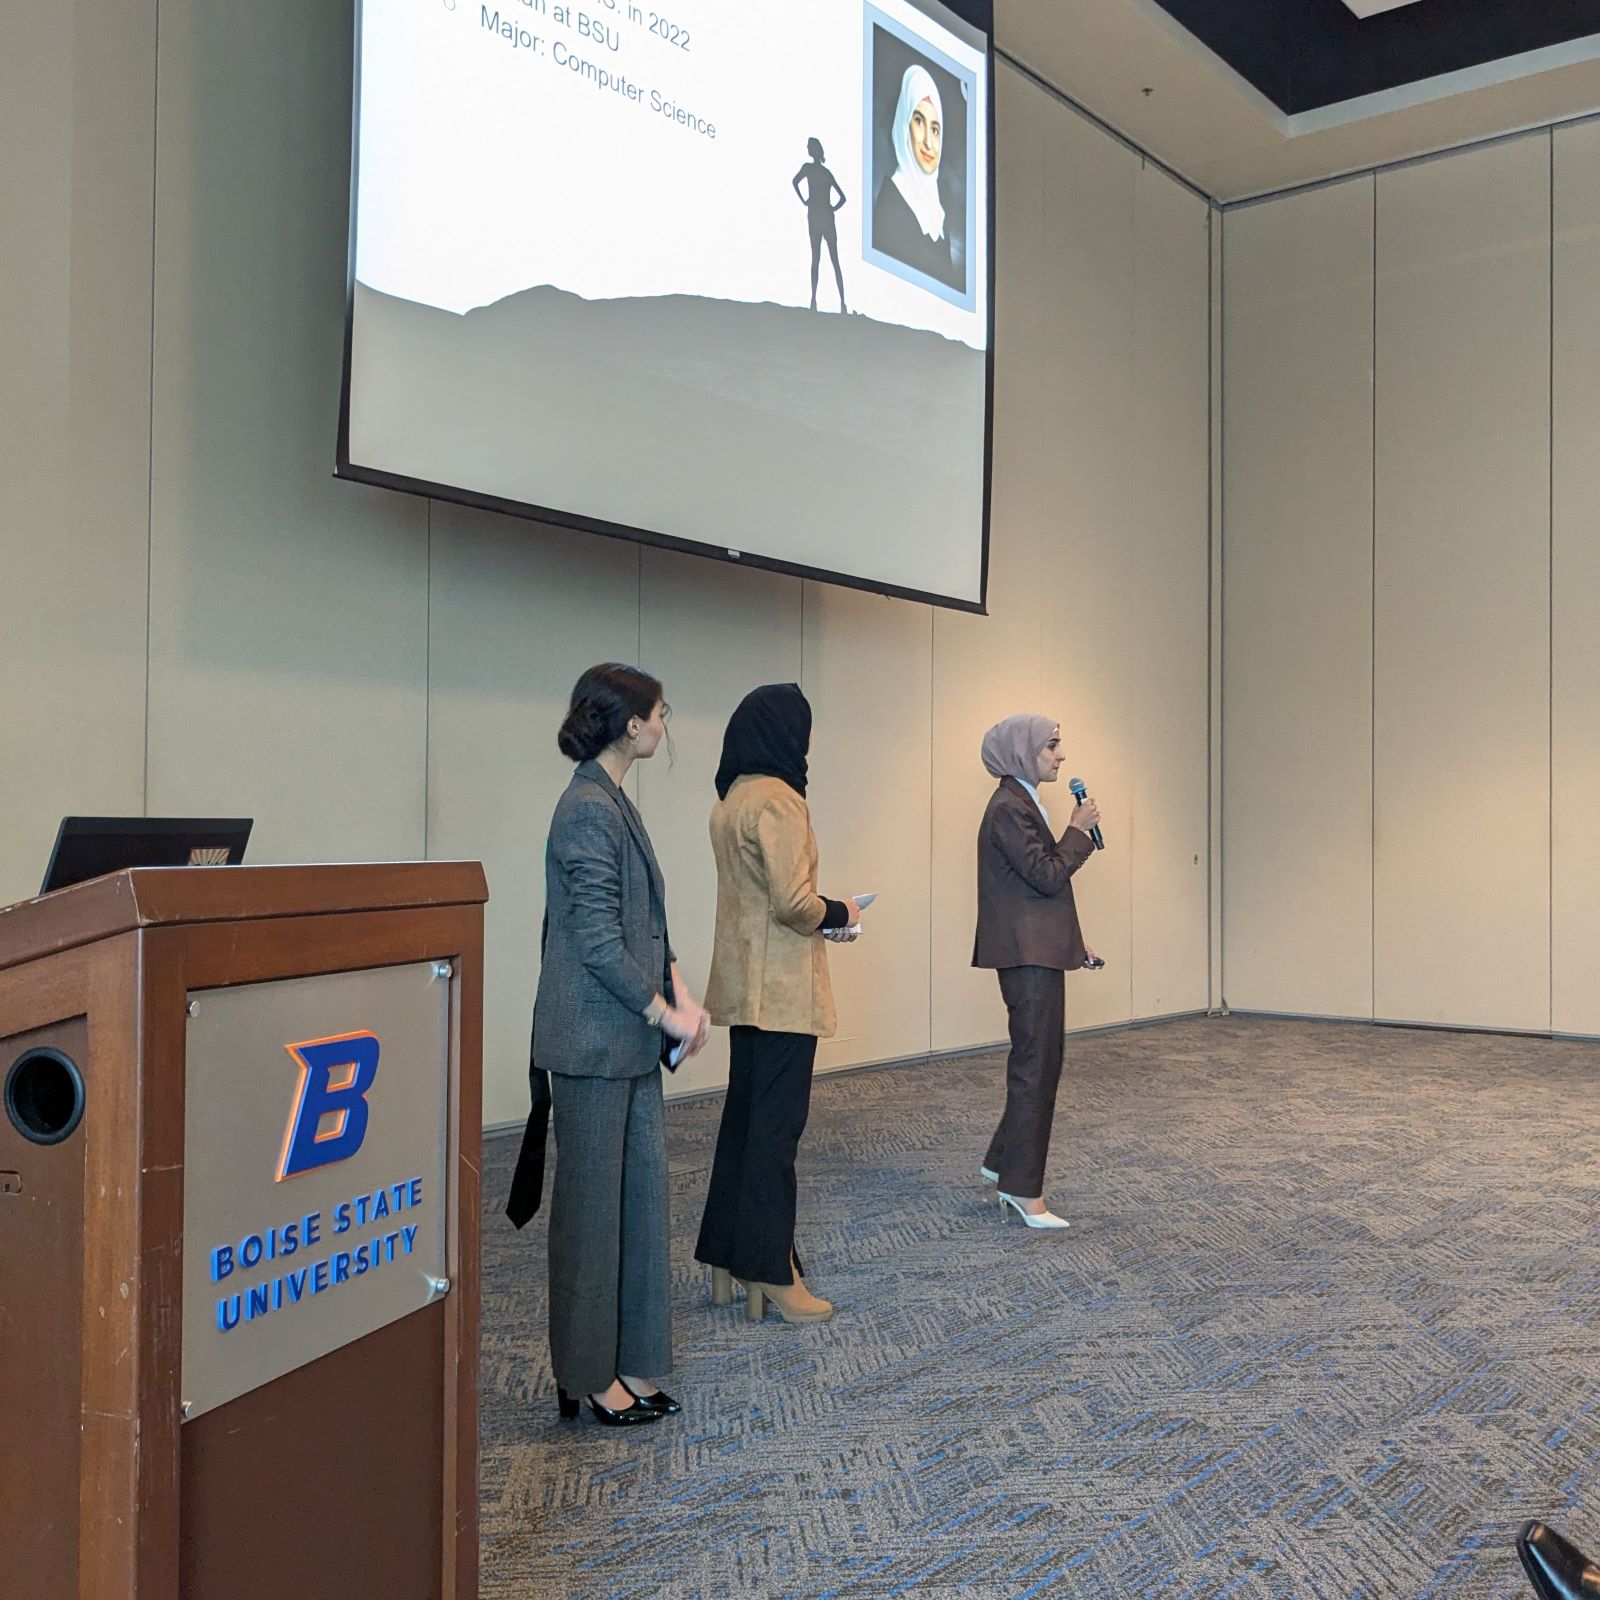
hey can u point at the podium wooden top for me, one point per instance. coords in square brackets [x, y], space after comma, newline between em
[147, 897]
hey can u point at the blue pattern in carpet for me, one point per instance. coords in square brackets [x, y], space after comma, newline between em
[1326, 1324]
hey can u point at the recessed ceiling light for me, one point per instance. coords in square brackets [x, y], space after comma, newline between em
[1371, 8]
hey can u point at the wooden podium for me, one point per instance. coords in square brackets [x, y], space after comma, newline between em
[239, 1235]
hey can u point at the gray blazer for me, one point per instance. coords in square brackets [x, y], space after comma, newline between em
[606, 950]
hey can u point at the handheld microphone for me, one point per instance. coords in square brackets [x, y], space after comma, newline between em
[1079, 790]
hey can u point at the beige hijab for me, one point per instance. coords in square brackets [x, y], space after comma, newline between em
[1011, 748]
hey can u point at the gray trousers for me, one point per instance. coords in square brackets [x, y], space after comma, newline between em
[1036, 1005]
[610, 1307]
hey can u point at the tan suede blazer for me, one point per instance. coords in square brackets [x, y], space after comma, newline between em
[769, 964]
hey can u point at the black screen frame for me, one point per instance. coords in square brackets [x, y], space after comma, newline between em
[979, 14]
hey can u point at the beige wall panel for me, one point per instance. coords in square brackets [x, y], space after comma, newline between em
[1575, 652]
[985, 668]
[77, 99]
[1297, 603]
[1168, 541]
[518, 612]
[868, 675]
[711, 633]
[1461, 738]
[1091, 586]
[288, 612]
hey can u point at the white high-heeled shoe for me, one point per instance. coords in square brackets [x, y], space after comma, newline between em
[988, 1176]
[1034, 1219]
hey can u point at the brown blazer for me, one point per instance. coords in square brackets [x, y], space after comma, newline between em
[1026, 914]
[769, 964]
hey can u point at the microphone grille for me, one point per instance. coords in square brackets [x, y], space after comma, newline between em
[1078, 787]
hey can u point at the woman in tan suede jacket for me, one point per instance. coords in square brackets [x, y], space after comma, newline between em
[769, 986]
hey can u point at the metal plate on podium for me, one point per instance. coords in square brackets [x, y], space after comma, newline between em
[316, 1117]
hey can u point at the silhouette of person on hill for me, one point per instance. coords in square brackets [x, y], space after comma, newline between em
[820, 205]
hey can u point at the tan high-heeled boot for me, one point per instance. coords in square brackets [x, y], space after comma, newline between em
[794, 1301]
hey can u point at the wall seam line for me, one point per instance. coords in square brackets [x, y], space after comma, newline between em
[1372, 660]
[636, 771]
[1550, 600]
[150, 438]
[933, 669]
[1135, 403]
[1507, 136]
[1211, 445]
[1213, 424]
[1221, 628]
[1038, 79]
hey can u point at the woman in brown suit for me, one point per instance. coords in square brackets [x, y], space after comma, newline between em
[1028, 930]
[769, 986]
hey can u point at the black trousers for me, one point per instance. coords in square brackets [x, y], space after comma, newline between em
[1036, 1011]
[748, 1226]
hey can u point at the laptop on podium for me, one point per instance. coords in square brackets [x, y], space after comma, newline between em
[90, 847]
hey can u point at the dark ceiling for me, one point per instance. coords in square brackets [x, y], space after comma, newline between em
[1304, 54]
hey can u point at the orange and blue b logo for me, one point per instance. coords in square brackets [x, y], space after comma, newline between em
[328, 1115]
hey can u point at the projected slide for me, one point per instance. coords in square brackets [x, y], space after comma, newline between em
[716, 274]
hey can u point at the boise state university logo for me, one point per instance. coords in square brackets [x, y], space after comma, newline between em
[328, 1115]
[330, 1242]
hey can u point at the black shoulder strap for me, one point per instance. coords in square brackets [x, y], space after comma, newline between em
[527, 1182]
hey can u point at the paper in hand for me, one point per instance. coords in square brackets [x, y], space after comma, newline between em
[862, 902]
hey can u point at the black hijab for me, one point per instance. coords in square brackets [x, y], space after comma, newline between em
[768, 733]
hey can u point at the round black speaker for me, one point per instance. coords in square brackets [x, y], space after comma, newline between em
[44, 1096]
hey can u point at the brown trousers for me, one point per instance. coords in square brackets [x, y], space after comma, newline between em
[1036, 1011]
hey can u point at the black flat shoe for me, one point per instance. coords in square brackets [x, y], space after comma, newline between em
[659, 1401]
[1557, 1568]
[628, 1417]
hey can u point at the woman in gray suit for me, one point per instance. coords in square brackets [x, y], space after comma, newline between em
[609, 988]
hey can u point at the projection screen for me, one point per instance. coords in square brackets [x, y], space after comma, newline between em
[716, 277]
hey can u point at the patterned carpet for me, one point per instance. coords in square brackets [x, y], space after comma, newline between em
[1325, 1326]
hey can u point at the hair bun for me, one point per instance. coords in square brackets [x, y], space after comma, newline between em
[585, 732]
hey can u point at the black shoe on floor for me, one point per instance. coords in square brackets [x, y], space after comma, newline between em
[635, 1412]
[1557, 1568]
[659, 1401]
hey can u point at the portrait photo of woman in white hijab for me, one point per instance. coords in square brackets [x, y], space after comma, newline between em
[919, 207]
